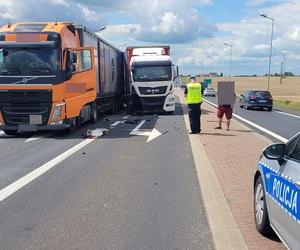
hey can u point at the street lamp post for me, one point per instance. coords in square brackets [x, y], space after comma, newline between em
[212, 63]
[271, 46]
[230, 62]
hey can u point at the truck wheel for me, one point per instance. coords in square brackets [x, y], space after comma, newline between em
[94, 113]
[261, 215]
[78, 121]
[10, 132]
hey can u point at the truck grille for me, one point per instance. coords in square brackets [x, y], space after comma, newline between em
[17, 105]
[153, 103]
[153, 91]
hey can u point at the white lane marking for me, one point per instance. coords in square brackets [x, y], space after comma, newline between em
[255, 125]
[125, 117]
[115, 123]
[151, 135]
[23, 181]
[283, 113]
[34, 138]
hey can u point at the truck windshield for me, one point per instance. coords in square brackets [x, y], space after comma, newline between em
[29, 61]
[152, 73]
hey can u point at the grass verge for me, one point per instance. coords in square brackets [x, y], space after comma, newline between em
[287, 104]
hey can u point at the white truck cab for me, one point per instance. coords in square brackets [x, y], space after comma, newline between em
[152, 78]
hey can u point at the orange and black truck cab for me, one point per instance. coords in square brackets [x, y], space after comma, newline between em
[55, 76]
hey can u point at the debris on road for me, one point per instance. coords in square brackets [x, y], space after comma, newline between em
[92, 133]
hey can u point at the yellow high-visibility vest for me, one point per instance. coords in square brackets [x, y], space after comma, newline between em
[194, 94]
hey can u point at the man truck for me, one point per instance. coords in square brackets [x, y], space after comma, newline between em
[56, 76]
[152, 77]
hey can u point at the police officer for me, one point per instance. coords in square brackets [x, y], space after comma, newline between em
[193, 93]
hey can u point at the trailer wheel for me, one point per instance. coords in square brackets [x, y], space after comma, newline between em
[94, 113]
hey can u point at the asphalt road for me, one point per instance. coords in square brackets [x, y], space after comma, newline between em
[282, 122]
[117, 192]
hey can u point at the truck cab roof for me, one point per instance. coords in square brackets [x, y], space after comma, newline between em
[144, 59]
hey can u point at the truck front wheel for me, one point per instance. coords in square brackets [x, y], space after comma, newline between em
[94, 113]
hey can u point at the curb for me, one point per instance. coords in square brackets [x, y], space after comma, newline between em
[225, 231]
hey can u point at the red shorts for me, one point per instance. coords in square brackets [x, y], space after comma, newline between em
[227, 110]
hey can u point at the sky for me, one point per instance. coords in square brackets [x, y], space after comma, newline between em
[195, 29]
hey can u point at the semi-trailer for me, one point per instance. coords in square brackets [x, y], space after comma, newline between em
[56, 75]
[152, 76]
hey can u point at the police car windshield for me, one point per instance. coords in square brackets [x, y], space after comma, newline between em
[29, 61]
[152, 73]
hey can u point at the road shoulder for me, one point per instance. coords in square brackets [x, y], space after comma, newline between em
[225, 231]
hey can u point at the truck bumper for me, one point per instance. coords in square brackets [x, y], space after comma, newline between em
[169, 105]
[155, 103]
[34, 128]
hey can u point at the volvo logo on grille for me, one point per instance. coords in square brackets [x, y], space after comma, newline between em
[25, 80]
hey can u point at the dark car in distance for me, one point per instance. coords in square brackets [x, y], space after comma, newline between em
[253, 99]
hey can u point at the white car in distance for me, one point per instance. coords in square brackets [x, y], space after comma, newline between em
[209, 92]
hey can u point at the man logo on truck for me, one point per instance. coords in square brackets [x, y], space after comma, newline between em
[153, 91]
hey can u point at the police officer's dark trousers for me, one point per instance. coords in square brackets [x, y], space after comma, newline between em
[194, 115]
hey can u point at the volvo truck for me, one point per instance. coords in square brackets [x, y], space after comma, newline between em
[56, 75]
[152, 76]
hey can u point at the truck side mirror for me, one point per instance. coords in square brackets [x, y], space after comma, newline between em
[74, 58]
[69, 64]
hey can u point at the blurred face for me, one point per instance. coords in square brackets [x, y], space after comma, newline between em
[192, 80]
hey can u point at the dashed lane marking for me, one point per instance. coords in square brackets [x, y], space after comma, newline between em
[115, 124]
[34, 137]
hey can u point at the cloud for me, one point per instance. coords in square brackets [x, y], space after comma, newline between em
[166, 21]
[178, 23]
[158, 21]
[44, 10]
[256, 2]
[251, 43]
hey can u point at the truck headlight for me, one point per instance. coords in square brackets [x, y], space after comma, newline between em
[57, 112]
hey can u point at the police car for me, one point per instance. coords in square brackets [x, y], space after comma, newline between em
[277, 192]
